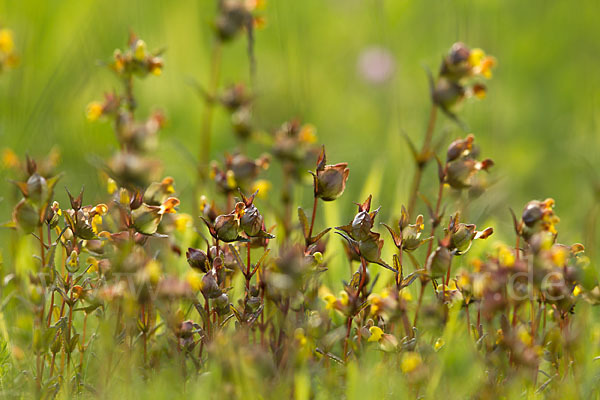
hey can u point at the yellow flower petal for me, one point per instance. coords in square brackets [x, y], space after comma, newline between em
[476, 56]
[376, 334]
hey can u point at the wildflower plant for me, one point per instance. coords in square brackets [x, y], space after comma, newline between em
[130, 287]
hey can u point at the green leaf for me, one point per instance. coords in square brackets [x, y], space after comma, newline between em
[303, 222]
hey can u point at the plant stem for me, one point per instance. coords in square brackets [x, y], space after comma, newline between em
[422, 160]
[312, 220]
[419, 301]
[206, 130]
[143, 317]
[435, 224]
[348, 329]
[40, 363]
[248, 277]
[468, 318]
[83, 348]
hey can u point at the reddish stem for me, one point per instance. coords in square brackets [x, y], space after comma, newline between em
[312, 220]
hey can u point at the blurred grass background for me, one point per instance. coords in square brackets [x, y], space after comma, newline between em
[538, 122]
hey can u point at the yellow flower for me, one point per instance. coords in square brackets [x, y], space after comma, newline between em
[182, 222]
[375, 301]
[376, 334]
[93, 264]
[577, 290]
[168, 206]
[7, 43]
[559, 256]
[140, 50]
[299, 336]
[481, 63]
[263, 186]
[344, 298]
[194, 280]
[111, 186]
[230, 179]
[9, 158]
[124, 196]
[307, 134]
[318, 257]
[439, 343]
[410, 362]
[156, 71]
[506, 256]
[94, 111]
[476, 56]
[96, 222]
[167, 183]
[153, 271]
[405, 295]
[330, 300]
[525, 337]
[101, 209]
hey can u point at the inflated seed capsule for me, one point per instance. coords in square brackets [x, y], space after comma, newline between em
[532, 213]
[197, 259]
[227, 227]
[37, 188]
[252, 221]
[438, 262]
[222, 301]
[361, 225]
[330, 182]
[210, 288]
[370, 249]
[462, 237]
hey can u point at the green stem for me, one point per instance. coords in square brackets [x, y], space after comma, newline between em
[312, 220]
[422, 160]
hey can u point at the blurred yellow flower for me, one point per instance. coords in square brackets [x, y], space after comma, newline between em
[111, 186]
[9, 158]
[182, 222]
[7, 43]
[93, 111]
[263, 186]
[153, 271]
[194, 280]
[140, 50]
[410, 362]
[307, 134]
